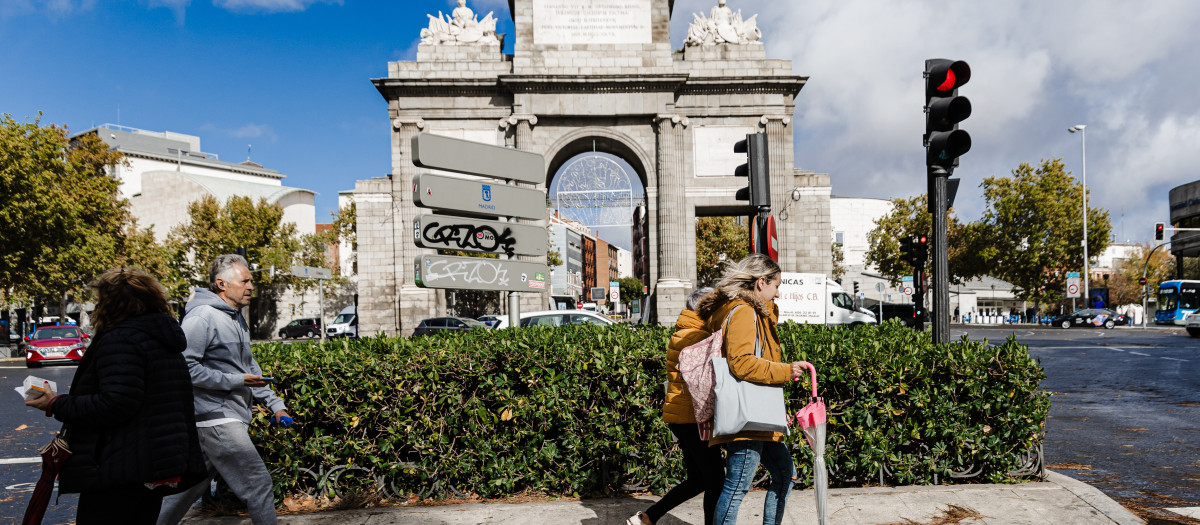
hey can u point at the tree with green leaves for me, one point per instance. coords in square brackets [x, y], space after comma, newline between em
[911, 217]
[839, 258]
[718, 239]
[63, 217]
[1033, 229]
[631, 289]
[1124, 286]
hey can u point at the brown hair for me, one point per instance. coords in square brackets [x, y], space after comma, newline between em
[124, 293]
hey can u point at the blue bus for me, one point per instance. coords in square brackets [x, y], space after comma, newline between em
[1176, 300]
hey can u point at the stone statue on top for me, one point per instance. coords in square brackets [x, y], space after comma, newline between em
[722, 26]
[461, 27]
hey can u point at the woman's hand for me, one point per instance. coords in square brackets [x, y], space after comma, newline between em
[41, 402]
[798, 370]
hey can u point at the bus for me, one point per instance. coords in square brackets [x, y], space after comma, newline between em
[1176, 301]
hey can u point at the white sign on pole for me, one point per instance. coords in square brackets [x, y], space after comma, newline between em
[1073, 288]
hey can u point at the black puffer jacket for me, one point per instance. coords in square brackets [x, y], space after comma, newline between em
[129, 414]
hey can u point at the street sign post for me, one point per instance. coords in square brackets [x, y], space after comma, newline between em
[474, 158]
[478, 273]
[477, 198]
[312, 272]
[1073, 285]
[447, 232]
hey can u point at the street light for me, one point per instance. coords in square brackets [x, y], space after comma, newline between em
[1087, 298]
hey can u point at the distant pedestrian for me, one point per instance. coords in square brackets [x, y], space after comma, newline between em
[128, 416]
[705, 468]
[754, 282]
[956, 314]
[227, 381]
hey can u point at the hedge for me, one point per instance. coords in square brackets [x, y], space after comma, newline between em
[577, 411]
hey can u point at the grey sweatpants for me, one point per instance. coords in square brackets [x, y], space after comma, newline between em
[228, 452]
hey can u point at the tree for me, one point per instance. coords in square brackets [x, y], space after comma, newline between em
[631, 289]
[62, 213]
[911, 217]
[839, 269]
[718, 239]
[1032, 229]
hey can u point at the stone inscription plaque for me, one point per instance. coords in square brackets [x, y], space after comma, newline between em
[591, 22]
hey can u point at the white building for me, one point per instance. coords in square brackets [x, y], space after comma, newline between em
[167, 171]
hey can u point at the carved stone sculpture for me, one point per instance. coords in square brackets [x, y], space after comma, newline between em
[461, 27]
[722, 26]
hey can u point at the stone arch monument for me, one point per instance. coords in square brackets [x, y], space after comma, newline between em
[597, 74]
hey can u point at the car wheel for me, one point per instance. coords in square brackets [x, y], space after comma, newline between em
[1110, 324]
[31, 364]
[1066, 324]
[310, 334]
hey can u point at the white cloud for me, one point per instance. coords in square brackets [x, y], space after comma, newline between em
[55, 9]
[271, 6]
[245, 131]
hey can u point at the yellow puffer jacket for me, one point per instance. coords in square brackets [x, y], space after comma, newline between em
[739, 347]
[689, 330]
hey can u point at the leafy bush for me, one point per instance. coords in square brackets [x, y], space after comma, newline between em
[578, 410]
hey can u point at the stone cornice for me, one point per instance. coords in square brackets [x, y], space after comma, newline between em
[790, 85]
[681, 84]
[390, 88]
[592, 83]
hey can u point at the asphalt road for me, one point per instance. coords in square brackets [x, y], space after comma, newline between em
[1125, 411]
[1125, 415]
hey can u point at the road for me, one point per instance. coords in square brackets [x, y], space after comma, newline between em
[1125, 416]
[1125, 411]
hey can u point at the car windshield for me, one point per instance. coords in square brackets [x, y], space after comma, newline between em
[58, 332]
[342, 318]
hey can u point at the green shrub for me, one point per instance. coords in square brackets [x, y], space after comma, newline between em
[578, 410]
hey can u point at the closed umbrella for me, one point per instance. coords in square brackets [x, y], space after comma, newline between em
[54, 455]
[811, 419]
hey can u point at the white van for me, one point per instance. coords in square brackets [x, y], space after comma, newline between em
[345, 324]
[812, 298]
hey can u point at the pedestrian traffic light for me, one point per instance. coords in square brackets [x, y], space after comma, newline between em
[920, 250]
[756, 169]
[944, 109]
[1158, 231]
[907, 253]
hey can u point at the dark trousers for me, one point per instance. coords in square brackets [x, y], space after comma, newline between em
[705, 473]
[131, 505]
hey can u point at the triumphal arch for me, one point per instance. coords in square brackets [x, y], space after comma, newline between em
[590, 75]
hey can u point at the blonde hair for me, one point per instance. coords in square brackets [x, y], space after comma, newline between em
[743, 274]
[124, 293]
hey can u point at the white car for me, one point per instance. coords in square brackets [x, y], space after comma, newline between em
[557, 318]
[1193, 324]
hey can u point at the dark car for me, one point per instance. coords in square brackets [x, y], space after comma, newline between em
[55, 344]
[906, 313]
[1091, 317]
[306, 327]
[438, 324]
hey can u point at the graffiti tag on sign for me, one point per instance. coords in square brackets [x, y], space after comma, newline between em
[470, 237]
[482, 271]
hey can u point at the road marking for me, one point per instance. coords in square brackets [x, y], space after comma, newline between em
[1191, 512]
[15, 461]
[1175, 359]
[1139, 353]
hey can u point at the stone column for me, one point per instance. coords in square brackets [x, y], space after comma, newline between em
[412, 303]
[673, 284]
[523, 140]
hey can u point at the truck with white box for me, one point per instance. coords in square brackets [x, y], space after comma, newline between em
[813, 298]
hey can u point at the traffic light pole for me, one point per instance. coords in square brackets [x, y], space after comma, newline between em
[941, 275]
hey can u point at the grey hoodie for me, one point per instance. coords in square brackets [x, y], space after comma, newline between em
[218, 354]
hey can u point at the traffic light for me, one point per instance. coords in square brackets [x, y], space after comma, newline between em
[944, 109]
[1158, 231]
[855, 287]
[907, 251]
[756, 169]
[920, 251]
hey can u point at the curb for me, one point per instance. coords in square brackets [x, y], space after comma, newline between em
[1092, 496]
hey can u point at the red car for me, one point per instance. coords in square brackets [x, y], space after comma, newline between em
[55, 344]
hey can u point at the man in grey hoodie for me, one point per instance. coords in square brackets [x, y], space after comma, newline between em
[226, 382]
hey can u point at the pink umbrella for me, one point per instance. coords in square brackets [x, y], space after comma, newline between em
[811, 419]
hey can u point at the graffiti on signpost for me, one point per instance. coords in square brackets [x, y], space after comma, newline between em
[470, 237]
[476, 271]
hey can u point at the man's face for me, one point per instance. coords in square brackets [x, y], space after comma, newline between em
[236, 287]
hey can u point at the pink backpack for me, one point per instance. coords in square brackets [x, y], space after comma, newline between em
[695, 364]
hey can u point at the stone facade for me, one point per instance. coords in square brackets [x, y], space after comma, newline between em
[624, 92]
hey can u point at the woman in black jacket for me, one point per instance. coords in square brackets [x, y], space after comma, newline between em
[129, 419]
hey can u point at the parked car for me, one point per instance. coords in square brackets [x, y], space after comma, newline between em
[1193, 324]
[489, 320]
[906, 313]
[306, 327]
[345, 324]
[1090, 317]
[438, 324]
[55, 344]
[558, 318]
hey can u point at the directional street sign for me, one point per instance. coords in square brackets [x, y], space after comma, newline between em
[880, 287]
[478, 273]
[312, 272]
[446, 232]
[474, 158]
[477, 198]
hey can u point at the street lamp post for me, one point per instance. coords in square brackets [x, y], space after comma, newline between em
[1087, 298]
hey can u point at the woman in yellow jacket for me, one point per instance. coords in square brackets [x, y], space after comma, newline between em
[705, 469]
[753, 283]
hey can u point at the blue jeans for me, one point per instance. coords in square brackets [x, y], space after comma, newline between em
[742, 462]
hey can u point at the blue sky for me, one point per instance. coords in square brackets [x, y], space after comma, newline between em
[292, 79]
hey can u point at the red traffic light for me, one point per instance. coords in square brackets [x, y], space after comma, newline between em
[922, 239]
[945, 76]
[1158, 231]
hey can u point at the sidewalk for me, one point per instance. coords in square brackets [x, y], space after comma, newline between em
[1059, 500]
